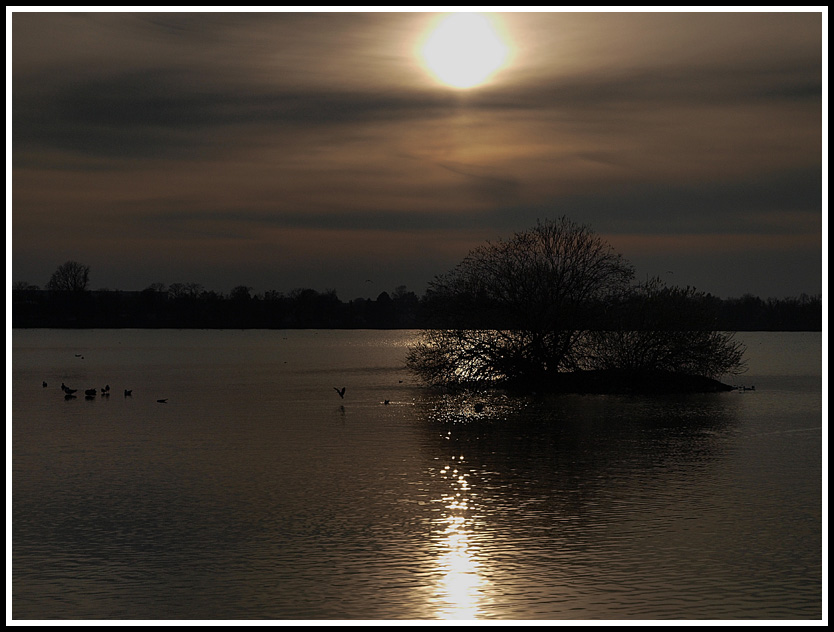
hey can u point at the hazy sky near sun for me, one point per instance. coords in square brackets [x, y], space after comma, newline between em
[287, 150]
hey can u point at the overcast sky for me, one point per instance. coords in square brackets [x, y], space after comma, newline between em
[289, 150]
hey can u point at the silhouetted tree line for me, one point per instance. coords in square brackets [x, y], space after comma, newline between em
[68, 302]
[189, 305]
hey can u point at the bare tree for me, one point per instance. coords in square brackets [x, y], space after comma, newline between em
[241, 293]
[20, 286]
[156, 287]
[70, 276]
[189, 290]
[661, 328]
[558, 300]
[515, 310]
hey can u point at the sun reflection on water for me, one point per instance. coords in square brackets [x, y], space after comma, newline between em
[461, 590]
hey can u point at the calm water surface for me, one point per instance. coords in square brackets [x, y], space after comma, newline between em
[255, 492]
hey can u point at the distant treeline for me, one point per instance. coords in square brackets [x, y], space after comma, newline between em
[188, 306]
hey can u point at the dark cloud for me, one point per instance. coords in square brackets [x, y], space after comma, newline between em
[158, 112]
[773, 203]
[660, 87]
[242, 223]
[485, 182]
[777, 204]
[228, 132]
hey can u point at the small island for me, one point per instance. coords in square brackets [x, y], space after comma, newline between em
[556, 309]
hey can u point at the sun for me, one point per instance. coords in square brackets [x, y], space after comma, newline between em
[464, 50]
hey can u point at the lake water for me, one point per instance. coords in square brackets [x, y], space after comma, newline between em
[256, 492]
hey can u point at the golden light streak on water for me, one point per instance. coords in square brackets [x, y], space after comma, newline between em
[462, 589]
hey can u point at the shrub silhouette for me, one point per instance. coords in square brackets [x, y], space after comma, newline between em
[557, 300]
[69, 277]
[660, 328]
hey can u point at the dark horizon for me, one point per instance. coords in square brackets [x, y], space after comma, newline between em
[307, 308]
[371, 294]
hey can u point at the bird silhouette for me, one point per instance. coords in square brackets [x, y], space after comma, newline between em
[44, 384]
[341, 392]
[162, 401]
[90, 392]
[128, 393]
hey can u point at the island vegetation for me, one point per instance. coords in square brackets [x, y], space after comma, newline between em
[556, 308]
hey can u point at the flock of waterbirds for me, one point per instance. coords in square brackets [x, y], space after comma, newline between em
[92, 393]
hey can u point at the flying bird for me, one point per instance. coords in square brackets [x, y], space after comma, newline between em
[44, 384]
[162, 401]
[128, 393]
[340, 392]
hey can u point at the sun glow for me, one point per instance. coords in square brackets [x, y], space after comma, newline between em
[464, 50]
